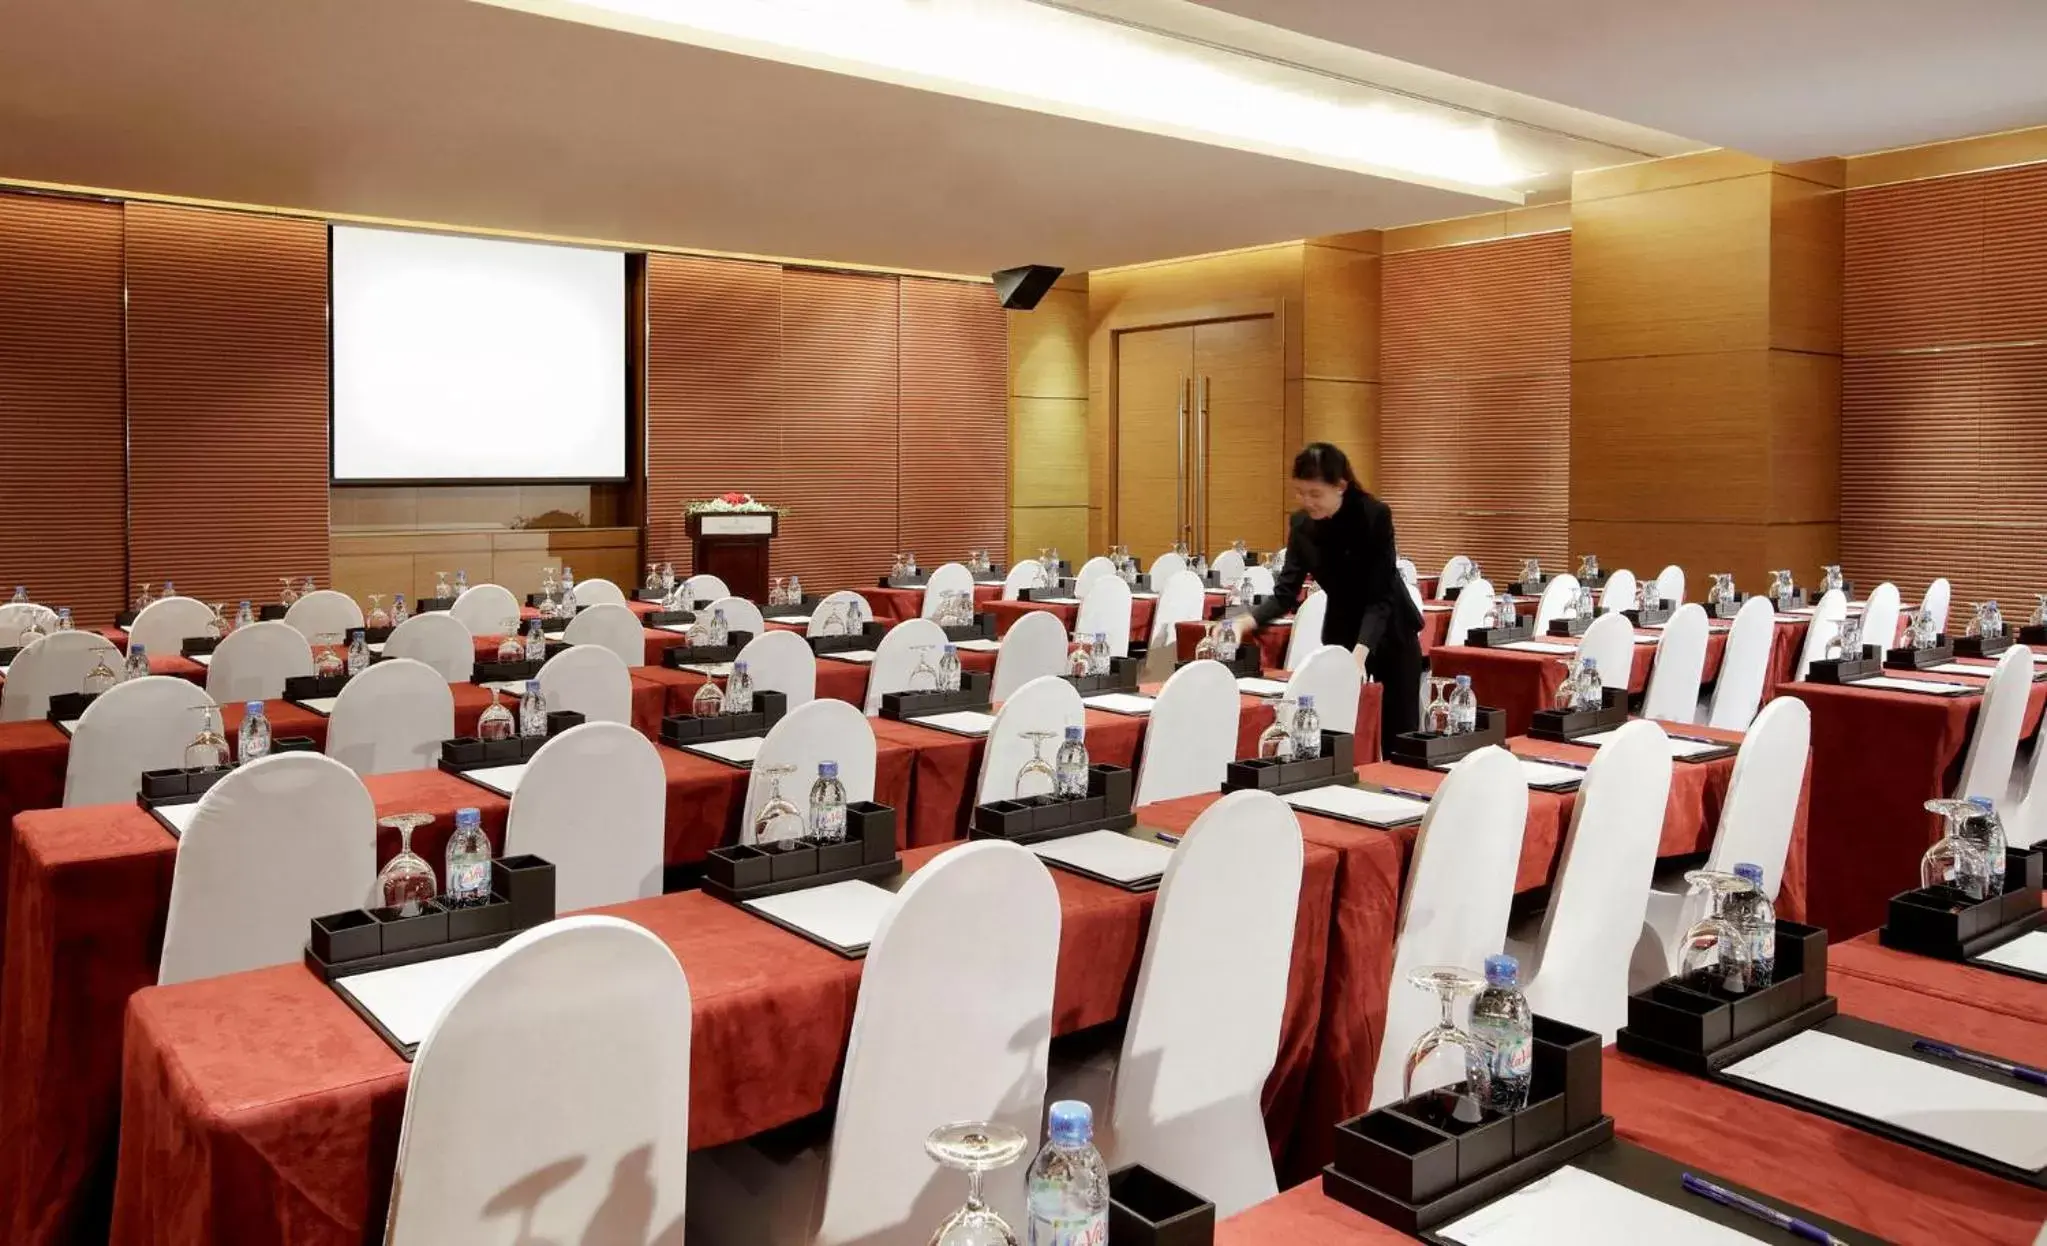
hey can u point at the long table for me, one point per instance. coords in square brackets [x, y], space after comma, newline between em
[1273, 640]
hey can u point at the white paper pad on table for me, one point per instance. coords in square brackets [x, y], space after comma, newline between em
[861, 656]
[377, 646]
[1537, 773]
[1377, 808]
[710, 670]
[1538, 646]
[1111, 854]
[844, 914]
[554, 635]
[504, 780]
[680, 629]
[1678, 747]
[959, 722]
[738, 751]
[1144, 596]
[1926, 687]
[2002, 1122]
[517, 687]
[179, 815]
[409, 999]
[1958, 668]
[203, 659]
[983, 645]
[319, 705]
[1578, 1208]
[1056, 601]
[1432, 609]
[2028, 952]
[1648, 640]
[1120, 702]
[68, 726]
[788, 618]
[1262, 687]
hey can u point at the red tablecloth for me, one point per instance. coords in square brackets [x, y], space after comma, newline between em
[258, 1107]
[1008, 612]
[1877, 757]
[893, 605]
[1273, 640]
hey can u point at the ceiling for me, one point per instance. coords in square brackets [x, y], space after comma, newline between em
[1785, 79]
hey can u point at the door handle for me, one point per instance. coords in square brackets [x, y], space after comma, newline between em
[1180, 472]
[1201, 466]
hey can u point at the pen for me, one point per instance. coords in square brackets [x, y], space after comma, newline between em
[1167, 838]
[1556, 761]
[1761, 1211]
[2023, 1072]
[1423, 797]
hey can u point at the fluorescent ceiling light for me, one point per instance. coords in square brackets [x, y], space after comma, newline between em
[1028, 55]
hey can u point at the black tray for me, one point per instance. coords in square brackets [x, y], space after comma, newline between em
[425, 605]
[1844, 670]
[1530, 588]
[677, 656]
[975, 687]
[668, 618]
[1337, 766]
[737, 873]
[358, 941]
[1727, 609]
[1427, 750]
[683, 730]
[1120, 677]
[1655, 617]
[268, 612]
[2033, 634]
[310, 687]
[198, 646]
[67, 706]
[1145, 1209]
[1576, 626]
[1494, 637]
[1701, 1028]
[1981, 647]
[1798, 599]
[1060, 589]
[982, 628]
[176, 786]
[1248, 662]
[1940, 654]
[1106, 807]
[465, 753]
[918, 580]
[867, 637]
[1563, 726]
[1946, 924]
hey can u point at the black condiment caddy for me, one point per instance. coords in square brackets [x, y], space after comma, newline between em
[683, 730]
[1427, 749]
[1697, 1025]
[974, 692]
[425, 605]
[1982, 646]
[70, 706]
[505, 672]
[1494, 637]
[1106, 807]
[1846, 670]
[868, 636]
[1247, 663]
[1652, 616]
[1940, 653]
[1565, 725]
[1724, 610]
[312, 687]
[1577, 625]
[1145, 1209]
[1336, 766]
[1948, 924]
[741, 872]
[1120, 677]
[678, 656]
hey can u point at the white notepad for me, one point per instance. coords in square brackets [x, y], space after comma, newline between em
[1434, 609]
[1111, 854]
[1144, 596]
[1958, 668]
[69, 726]
[1257, 687]
[1377, 808]
[1678, 747]
[2028, 952]
[377, 647]
[203, 659]
[1057, 601]
[978, 646]
[1538, 773]
[319, 705]
[959, 722]
[1925, 687]
[1648, 640]
[739, 752]
[709, 670]
[1538, 646]
[1120, 702]
[846, 915]
[517, 687]
[1572, 1207]
[788, 618]
[408, 1000]
[861, 656]
[680, 629]
[2000, 1122]
[504, 780]
[180, 815]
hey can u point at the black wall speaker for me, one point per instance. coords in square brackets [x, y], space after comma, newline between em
[1021, 288]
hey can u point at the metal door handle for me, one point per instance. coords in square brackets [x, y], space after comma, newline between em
[1201, 466]
[1180, 472]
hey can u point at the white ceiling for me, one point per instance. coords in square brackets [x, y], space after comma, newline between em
[1785, 79]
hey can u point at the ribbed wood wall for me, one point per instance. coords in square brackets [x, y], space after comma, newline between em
[1475, 394]
[1944, 386]
[953, 439]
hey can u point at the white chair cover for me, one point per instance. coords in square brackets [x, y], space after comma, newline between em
[1034, 647]
[484, 609]
[1164, 567]
[1826, 617]
[1558, 601]
[1306, 635]
[1408, 571]
[1744, 665]
[815, 732]
[593, 801]
[897, 655]
[1610, 642]
[251, 663]
[52, 664]
[1228, 566]
[1880, 616]
[1986, 769]
[1182, 599]
[1046, 704]
[1106, 609]
[1023, 574]
[598, 591]
[706, 588]
[590, 680]
[782, 662]
[1936, 602]
[276, 843]
[15, 617]
[615, 628]
[143, 724]
[858, 613]
[1330, 675]
[1670, 585]
[325, 611]
[1680, 663]
[1260, 581]
[590, 1018]
[393, 716]
[1191, 736]
[1619, 593]
[436, 638]
[741, 615]
[163, 626]
[1469, 610]
[1456, 573]
[951, 577]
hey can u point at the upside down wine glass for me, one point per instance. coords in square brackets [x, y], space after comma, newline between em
[379, 617]
[777, 818]
[1450, 984]
[208, 749]
[1037, 772]
[495, 723]
[1436, 719]
[1716, 951]
[1566, 698]
[406, 882]
[975, 1147]
[924, 675]
[1956, 860]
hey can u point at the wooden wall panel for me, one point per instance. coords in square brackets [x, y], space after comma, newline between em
[227, 399]
[63, 472]
[1049, 448]
[954, 434]
[1680, 270]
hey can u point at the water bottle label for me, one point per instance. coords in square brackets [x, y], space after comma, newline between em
[1070, 1230]
[469, 879]
[1513, 1058]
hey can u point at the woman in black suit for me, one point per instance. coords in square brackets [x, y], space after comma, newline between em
[1343, 537]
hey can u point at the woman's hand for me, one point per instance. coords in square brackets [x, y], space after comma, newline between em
[1244, 626]
[1360, 652]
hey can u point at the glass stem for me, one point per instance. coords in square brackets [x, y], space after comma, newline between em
[974, 1202]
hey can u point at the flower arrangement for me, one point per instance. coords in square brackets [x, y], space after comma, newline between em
[734, 503]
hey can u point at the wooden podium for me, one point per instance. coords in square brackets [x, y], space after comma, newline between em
[733, 545]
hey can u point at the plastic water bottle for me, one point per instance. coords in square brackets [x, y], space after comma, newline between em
[828, 805]
[720, 633]
[1756, 918]
[533, 710]
[461, 582]
[1500, 1018]
[536, 643]
[1307, 730]
[468, 871]
[1984, 829]
[739, 690]
[398, 611]
[138, 662]
[949, 669]
[358, 652]
[1098, 655]
[255, 733]
[1069, 1183]
[1069, 767]
[795, 590]
[20, 597]
[63, 618]
[1463, 707]
[1590, 694]
[568, 583]
[244, 616]
[169, 589]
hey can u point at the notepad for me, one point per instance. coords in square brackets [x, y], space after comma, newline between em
[377, 647]
[1959, 668]
[1679, 746]
[845, 915]
[1108, 854]
[959, 722]
[1120, 703]
[709, 670]
[504, 780]
[680, 629]
[69, 726]
[2001, 1122]
[203, 659]
[1254, 686]
[410, 999]
[788, 618]
[1538, 646]
[737, 752]
[1144, 596]
[1435, 609]
[1648, 640]
[2027, 952]
[1057, 601]
[319, 705]
[860, 656]
[1572, 1207]
[1542, 774]
[179, 816]
[1381, 809]
[517, 687]
[983, 645]
[1924, 687]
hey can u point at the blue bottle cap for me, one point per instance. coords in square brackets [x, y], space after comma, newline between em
[136, 650]
[532, 685]
[739, 668]
[1101, 636]
[1502, 970]
[952, 651]
[253, 709]
[245, 601]
[827, 770]
[63, 612]
[1072, 1123]
[1464, 681]
[1752, 872]
[1076, 733]
[1307, 701]
[1590, 664]
[468, 817]
[1981, 802]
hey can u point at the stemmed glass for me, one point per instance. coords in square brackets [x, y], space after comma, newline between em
[305, 585]
[1451, 983]
[2039, 618]
[1716, 952]
[777, 818]
[709, 701]
[142, 596]
[1566, 698]
[1925, 633]
[1722, 590]
[218, 626]
[327, 659]
[667, 578]
[1045, 578]
[653, 581]
[379, 617]
[834, 621]
[1531, 571]
[1036, 767]
[975, 1147]
[1210, 644]
[287, 593]
[1436, 719]
[1583, 606]
[441, 589]
[208, 749]
[1079, 656]
[1956, 860]
[495, 723]
[101, 677]
[1781, 586]
[509, 648]
[1588, 567]
[406, 881]
[1830, 577]
[777, 595]
[924, 675]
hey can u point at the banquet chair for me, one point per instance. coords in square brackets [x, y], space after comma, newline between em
[2024, 808]
[871, 1182]
[436, 638]
[1106, 609]
[1260, 581]
[1204, 1022]
[16, 616]
[143, 724]
[1090, 571]
[1619, 593]
[1034, 647]
[1228, 567]
[594, 801]
[1880, 616]
[1993, 746]
[782, 662]
[1329, 674]
[1670, 585]
[1306, 635]
[858, 613]
[1181, 599]
[1610, 642]
[1163, 567]
[1023, 574]
[1824, 627]
[590, 680]
[1048, 703]
[597, 591]
[741, 615]
[274, 844]
[1744, 666]
[51, 665]
[163, 626]
[325, 611]
[611, 627]
[1559, 600]
[1935, 602]
[1680, 663]
[391, 717]
[1460, 886]
[1577, 969]
[816, 732]
[1458, 572]
[705, 588]
[483, 609]
[1408, 572]
[252, 662]
[590, 1018]
[951, 577]
[1278, 560]
[1469, 610]
[1190, 737]
[896, 657]
[1756, 821]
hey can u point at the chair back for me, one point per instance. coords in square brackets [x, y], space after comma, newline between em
[1680, 663]
[1034, 647]
[594, 801]
[1330, 675]
[1228, 567]
[590, 680]
[1306, 635]
[143, 724]
[1880, 616]
[1469, 610]
[897, 656]
[1619, 593]
[1825, 626]
[1762, 797]
[1048, 703]
[52, 664]
[1936, 600]
[1181, 599]
[1023, 574]
[741, 615]
[1409, 573]
[782, 662]
[1986, 769]
[393, 716]
[436, 638]
[612, 627]
[1458, 572]
[951, 577]
[1744, 665]
[164, 625]
[252, 662]
[598, 591]
[1164, 567]
[1106, 609]
[1090, 571]
[703, 588]
[325, 611]
[1610, 642]
[817, 732]
[1558, 601]
[484, 608]
[1260, 581]
[1190, 737]
[1670, 585]
[15, 618]
[857, 611]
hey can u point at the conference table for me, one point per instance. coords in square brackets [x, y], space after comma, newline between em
[893, 605]
[1273, 639]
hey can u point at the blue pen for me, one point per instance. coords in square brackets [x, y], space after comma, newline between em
[2023, 1072]
[1423, 797]
[1761, 1211]
[1167, 838]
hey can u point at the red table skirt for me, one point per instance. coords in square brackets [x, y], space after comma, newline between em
[258, 1107]
[1008, 612]
[893, 605]
[1273, 640]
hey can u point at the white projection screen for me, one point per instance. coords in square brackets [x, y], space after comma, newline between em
[475, 359]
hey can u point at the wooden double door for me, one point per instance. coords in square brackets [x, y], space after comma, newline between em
[1200, 436]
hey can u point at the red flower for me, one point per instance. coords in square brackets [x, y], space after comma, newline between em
[738, 499]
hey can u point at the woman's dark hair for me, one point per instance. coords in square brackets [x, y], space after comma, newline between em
[1324, 462]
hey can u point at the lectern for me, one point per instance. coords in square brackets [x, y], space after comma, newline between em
[733, 545]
